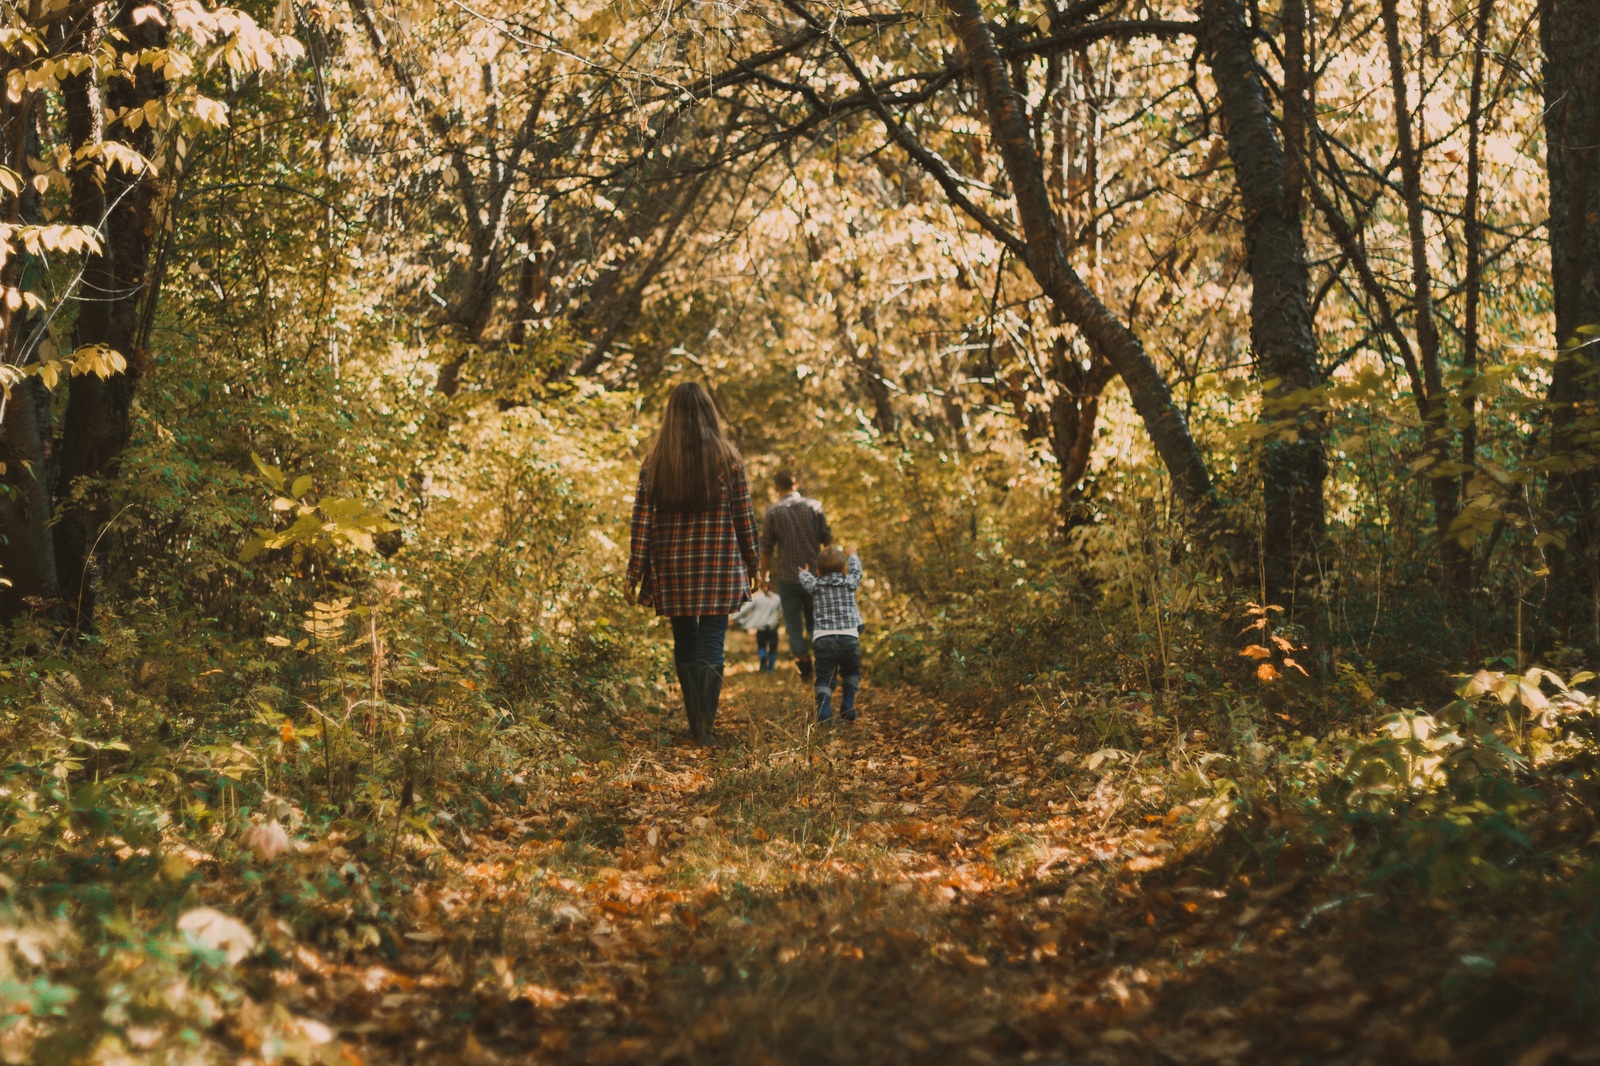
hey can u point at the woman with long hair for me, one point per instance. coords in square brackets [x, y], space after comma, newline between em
[695, 547]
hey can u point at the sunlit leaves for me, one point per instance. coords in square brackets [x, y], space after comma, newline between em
[239, 42]
[326, 619]
[326, 526]
[42, 240]
[271, 474]
[208, 112]
[96, 359]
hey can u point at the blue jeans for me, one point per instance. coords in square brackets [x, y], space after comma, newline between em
[797, 617]
[699, 638]
[841, 655]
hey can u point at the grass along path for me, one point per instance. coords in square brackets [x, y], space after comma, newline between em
[921, 886]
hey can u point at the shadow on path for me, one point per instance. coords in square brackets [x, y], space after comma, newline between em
[919, 887]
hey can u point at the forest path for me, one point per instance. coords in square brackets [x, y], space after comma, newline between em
[915, 887]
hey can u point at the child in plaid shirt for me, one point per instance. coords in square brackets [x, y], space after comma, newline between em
[836, 639]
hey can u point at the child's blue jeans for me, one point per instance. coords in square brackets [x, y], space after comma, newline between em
[837, 655]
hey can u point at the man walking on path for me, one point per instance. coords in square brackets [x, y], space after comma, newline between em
[798, 529]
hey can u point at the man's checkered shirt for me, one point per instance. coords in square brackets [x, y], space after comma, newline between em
[798, 528]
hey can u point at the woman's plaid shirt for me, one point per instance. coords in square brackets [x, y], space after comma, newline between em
[697, 562]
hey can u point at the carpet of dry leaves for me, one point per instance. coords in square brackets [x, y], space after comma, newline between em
[923, 886]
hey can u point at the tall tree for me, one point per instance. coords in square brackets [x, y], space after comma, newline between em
[1435, 413]
[1042, 247]
[27, 552]
[118, 295]
[98, 117]
[1570, 34]
[1293, 463]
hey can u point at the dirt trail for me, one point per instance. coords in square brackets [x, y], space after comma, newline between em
[917, 887]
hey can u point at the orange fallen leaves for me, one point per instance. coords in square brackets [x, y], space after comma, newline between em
[934, 889]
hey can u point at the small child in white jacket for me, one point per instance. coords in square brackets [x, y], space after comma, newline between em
[761, 615]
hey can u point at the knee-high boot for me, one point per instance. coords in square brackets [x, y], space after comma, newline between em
[710, 693]
[689, 680]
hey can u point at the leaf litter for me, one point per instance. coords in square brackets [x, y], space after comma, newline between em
[922, 886]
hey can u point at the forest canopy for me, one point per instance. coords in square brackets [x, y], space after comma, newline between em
[1208, 387]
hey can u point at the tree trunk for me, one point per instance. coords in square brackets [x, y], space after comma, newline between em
[865, 359]
[1046, 257]
[1473, 228]
[27, 554]
[1293, 463]
[477, 293]
[949, 393]
[869, 368]
[116, 288]
[1436, 411]
[533, 286]
[1570, 35]
[1074, 410]
[622, 314]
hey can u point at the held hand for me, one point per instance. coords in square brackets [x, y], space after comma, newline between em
[630, 593]
[755, 583]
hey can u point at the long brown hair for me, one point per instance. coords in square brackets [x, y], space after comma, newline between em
[686, 464]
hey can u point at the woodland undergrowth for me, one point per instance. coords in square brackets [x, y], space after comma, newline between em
[220, 846]
[332, 350]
